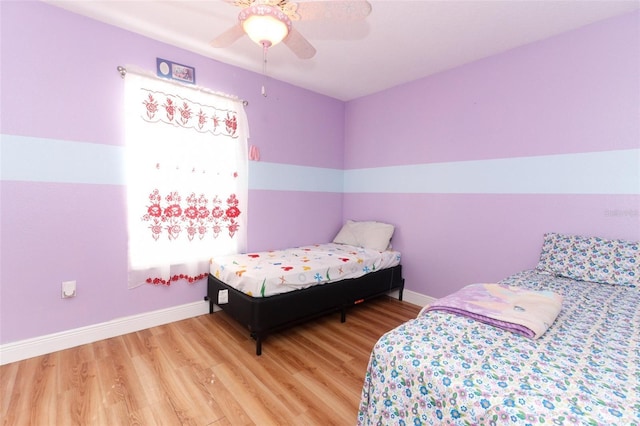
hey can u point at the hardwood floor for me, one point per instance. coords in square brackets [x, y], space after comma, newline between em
[204, 371]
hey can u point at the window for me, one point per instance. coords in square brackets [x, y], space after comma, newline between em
[186, 166]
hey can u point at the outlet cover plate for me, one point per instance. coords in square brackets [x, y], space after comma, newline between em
[68, 289]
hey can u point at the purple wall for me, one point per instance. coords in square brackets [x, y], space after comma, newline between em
[59, 82]
[575, 93]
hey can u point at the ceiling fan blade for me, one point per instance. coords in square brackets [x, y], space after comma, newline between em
[299, 45]
[228, 37]
[337, 10]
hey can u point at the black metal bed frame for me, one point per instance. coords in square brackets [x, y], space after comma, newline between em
[265, 315]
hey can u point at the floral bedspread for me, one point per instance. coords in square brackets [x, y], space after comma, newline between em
[279, 271]
[441, 368]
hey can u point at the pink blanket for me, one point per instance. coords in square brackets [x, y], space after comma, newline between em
[519, 310]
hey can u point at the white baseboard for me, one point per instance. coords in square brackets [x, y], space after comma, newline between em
[413, 297]
[29, 348]
[417, 298]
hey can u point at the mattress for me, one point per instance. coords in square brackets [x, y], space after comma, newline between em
[442, 368]
[274, 272]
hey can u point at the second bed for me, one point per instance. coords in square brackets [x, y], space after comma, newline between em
[268, 291]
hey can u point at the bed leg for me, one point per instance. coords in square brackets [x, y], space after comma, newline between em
[258, 345]
[400, 294]
[206, 298]
[343, 314]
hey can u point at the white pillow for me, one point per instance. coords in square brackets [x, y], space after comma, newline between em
[371, 235]
[347, 234]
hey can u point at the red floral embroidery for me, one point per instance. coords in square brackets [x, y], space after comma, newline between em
[217, 212]
[185, 113]
[151, 106]
[207, 119]
[191, 212]
[202, 120]
[231, 124]
[233, 228]
[233, 200]
[154, 214]
[189, 278]
[194, 217]
[154, 210]
[170, 108]
[197, 214]
[232, 212]
[173, 210]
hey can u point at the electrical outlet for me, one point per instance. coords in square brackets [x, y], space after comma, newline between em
[68, 289]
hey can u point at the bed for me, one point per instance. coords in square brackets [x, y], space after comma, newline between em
[272, 290]
[447, 368]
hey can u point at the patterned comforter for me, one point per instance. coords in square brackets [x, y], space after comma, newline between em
[441, 368]
[279, 271]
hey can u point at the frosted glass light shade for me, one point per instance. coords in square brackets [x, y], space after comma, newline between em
[264, 24]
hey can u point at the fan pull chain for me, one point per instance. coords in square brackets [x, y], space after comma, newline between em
[264, 68]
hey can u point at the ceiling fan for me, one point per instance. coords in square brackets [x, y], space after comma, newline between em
[268, 22]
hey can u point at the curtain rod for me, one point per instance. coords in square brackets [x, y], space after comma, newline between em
[123, 72]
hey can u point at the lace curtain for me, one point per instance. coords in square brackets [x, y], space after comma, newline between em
[186, 168]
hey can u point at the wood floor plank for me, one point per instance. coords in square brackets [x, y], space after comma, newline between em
[42, 392]
[256, 388]
[119, 382]
[232, 410]
[292, 392]
[204, 371]
[318, 385]
[9, 385]
[77, 382]
[175, 391]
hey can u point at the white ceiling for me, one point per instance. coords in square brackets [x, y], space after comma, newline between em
[399, 41]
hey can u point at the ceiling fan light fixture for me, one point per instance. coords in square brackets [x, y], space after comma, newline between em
[265, 24]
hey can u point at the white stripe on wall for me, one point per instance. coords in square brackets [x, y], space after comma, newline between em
[607, 172]
[287, 177]
[50, 160]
